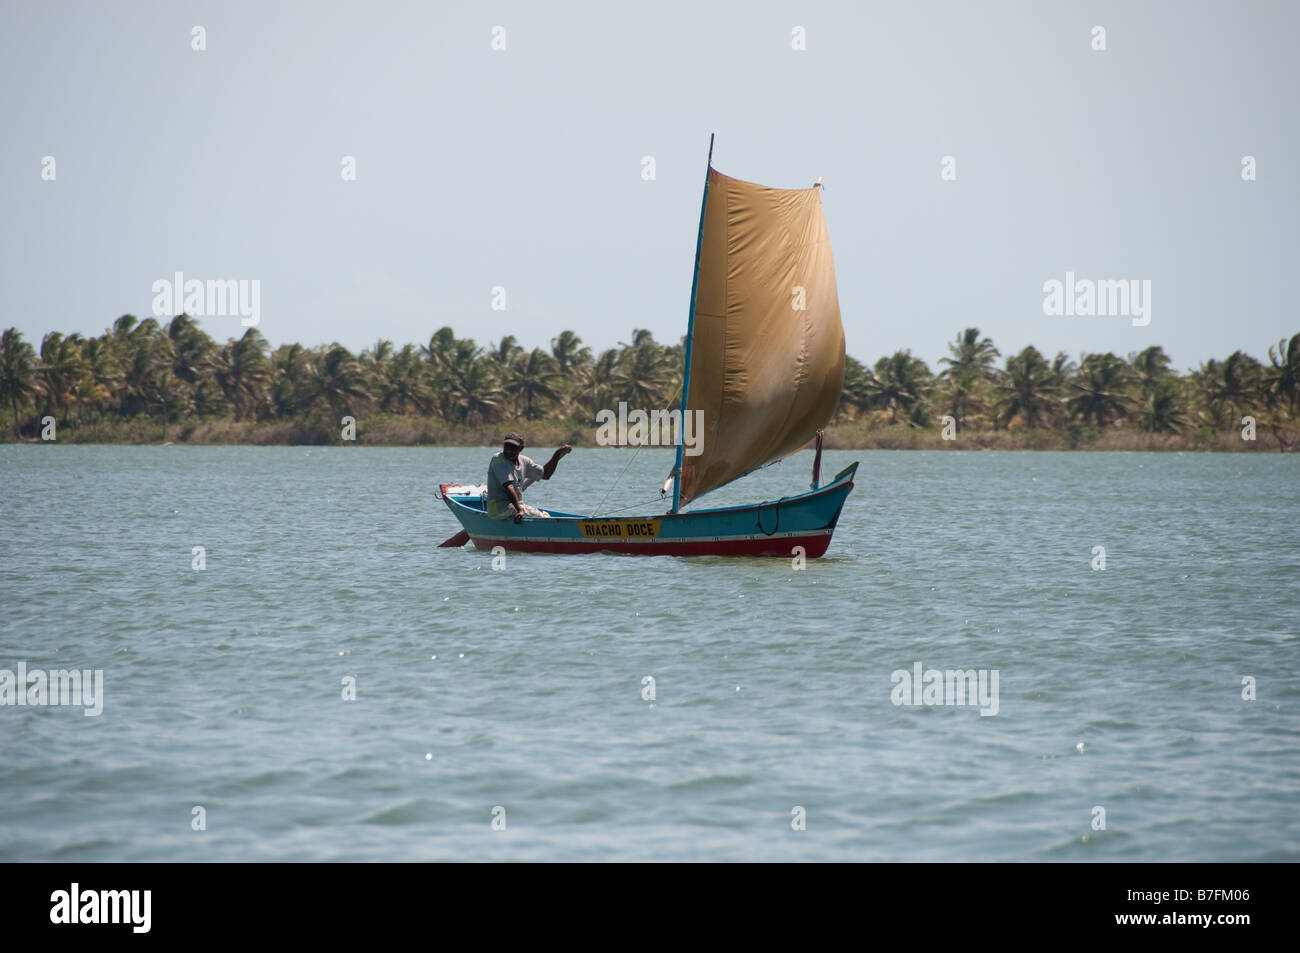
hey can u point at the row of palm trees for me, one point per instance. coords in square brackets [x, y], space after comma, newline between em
[175, 371]
[1102, 389]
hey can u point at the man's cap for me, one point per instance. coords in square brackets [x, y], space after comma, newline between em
[514, 438]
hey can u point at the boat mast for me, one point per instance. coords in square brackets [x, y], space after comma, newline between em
[817, 462]
[690, 331]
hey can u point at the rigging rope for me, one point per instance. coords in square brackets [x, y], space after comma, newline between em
[596, 512]
[634, 505]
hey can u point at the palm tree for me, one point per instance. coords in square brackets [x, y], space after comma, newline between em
[573, 359]
[856, 393]
[374, 362]
[17, 371]
[464, 356]
[475, 394]
[598, 381]
[292, 374]
[101, 360]
[192, 349]
[60, 368]
[533, 378]
[675, 361]
[139, 346]
[89, 392]
[192, 354]
[1282, 377]
[438, 355]
[162, 386]
[242, 371]
[1162, 410]
[1242, 377]
[123, 326]
[339, 379]
[900, 382]
[1100, 389]
[1226, 388]
[1063, 373]
[505, 352]
[379, 355]
[643, 373]
[970, 370]
[149, 357]
[402, 385]
[569, 353]
[439, 349]
[453, 363]
[1028, 388]
[1205, 383]
[1150, 369]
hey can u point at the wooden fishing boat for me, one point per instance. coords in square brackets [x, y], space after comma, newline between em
[773, 528]
[764, 371]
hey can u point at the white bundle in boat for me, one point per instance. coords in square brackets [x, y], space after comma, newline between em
[468, 489]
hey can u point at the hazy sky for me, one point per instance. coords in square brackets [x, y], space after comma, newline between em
[522, 167]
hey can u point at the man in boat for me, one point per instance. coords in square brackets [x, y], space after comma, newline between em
[510, 472]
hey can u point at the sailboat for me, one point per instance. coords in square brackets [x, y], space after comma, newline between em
[765, 365]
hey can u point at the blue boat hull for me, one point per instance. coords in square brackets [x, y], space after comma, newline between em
[773, 528]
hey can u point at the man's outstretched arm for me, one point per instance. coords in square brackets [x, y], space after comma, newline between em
[549, 470]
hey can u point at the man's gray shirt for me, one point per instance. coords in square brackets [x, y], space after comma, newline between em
[501, 471]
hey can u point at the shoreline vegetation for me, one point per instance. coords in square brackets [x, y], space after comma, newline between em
[146, 382]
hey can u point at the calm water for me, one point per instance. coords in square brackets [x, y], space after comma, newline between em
[522, 688]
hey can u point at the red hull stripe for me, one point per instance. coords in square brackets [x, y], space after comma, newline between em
[814, 544]
[635, 541]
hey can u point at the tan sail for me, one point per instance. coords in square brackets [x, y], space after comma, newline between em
[767, 345]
